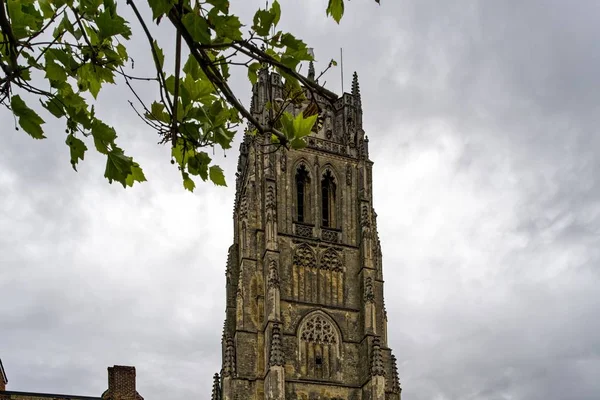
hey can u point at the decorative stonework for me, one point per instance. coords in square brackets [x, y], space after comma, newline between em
[319, 330]
[369, 294]
[395, 381]
[305, 231]
[229, 361]
[273, 279]
[377, 365]
[283, 160]
[364, 216]
[276, 356]
[330, 235]
[244, 207]
[348, 174]
[327, 146]
[270, 202]
[305, 257]
[330, 260]
[216, 389]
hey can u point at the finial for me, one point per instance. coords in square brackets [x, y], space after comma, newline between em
[395, 381]
[276, 353]
[311, 71]
[216, 390]
[377, 368]
[355, 87]
[229, 362]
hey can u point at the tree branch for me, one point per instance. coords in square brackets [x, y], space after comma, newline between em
[7, 30]
[215, 77]
[159, 72]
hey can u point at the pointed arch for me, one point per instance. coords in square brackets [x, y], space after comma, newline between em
[331, 284]
[302, 178]
[304, 270]
[319, 346]
[329, 197]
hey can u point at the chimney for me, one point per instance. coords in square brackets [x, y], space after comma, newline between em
[3, 379]
[121, 384]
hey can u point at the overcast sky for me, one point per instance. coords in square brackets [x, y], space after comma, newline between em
[483, 119]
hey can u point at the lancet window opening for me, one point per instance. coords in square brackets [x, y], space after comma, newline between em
[302, 194]
[328, 203]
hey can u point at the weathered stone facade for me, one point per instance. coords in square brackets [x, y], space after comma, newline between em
[305, 316]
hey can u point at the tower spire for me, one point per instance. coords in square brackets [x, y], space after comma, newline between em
[355, 87]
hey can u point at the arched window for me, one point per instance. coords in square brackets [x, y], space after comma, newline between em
[302, 194]
[319, 347]
[328, 200]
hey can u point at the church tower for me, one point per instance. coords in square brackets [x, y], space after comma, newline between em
[305, 315]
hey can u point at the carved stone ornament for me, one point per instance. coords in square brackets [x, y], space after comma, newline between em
[348, 174]
[270, 203]
[216, 389]
[244, 207]
[304, 257]
[364, 216]
[304, 230]
[369, 294]
[273, 278]
[330, 235]
[330, 260]
[395, 380]
[229, 361]
[283, 161]
[276, 356]
[318, 330]
[377, 367]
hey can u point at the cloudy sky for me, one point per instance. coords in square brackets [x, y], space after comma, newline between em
[482, 118]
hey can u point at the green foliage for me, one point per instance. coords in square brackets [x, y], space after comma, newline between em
[62, 53]
[335, 8]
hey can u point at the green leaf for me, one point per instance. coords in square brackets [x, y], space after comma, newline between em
[46, 7]
[253, 72]
[55, 72]
[303, 126]
[198, 165]
[264, 20]
[217, 176]
[336, 9]
[159, 53]
[110, 24]
[104, 136]
[197, 27]
[287, 125]
[55, 107]
[28, 119]
[227, 26]
[122, 168]
[160, 7]
[158, 113]
[192, 68]
[137, 175]
[89, 78]
[188, 183]
[77, 149]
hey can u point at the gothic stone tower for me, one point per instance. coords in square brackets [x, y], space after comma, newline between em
[305, 316]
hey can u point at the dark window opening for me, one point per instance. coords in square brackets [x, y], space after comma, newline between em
[318, 361]
[302, 193]
[328, 200]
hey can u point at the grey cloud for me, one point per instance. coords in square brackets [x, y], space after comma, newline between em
[482, 119]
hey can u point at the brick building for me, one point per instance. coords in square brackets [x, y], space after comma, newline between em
[121, 386]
